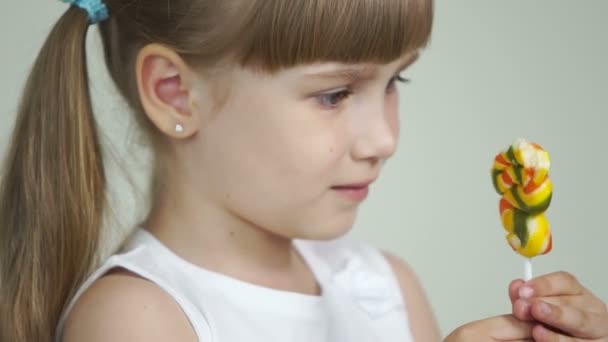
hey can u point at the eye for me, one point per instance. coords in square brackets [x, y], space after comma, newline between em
[392, 83]
[332, 100]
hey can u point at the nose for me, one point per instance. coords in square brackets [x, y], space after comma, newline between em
[377, 135]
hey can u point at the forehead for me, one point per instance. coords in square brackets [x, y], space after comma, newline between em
[362, 70]
[247, 80]
[328, 70]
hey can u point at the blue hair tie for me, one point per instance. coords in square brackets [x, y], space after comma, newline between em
[96, 9]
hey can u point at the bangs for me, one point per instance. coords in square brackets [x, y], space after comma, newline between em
[285, 33]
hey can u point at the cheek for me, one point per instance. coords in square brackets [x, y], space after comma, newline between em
[295, 144]
[274, 149]
[316, 156]
[273, 164]
[284, 194]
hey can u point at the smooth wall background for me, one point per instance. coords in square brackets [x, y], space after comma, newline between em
[494, 71]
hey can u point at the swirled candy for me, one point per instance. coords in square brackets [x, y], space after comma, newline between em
[521, 176]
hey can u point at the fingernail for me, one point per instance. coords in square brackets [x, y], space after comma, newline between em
[545, 309]
[526, 292]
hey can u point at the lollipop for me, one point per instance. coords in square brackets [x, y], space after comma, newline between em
[521, 176]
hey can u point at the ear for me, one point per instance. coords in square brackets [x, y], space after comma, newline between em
[167, 89]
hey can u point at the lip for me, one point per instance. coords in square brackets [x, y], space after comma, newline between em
[355, 191]
[355, 185]
[355, 194]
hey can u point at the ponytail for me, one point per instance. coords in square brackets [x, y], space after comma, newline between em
[52, 189]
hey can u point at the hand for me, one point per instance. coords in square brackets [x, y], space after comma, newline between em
[499, 328]
[562, 309]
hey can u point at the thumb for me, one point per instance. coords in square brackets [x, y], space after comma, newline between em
[514, 290]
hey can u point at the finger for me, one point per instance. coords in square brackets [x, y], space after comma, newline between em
[582, 302]
[509, 328]
[574, 322]
[543, 334]
[521, 310]
[521, 307]
[554, 284]
[514, 289]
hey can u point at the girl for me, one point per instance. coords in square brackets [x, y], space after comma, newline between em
[269, 120]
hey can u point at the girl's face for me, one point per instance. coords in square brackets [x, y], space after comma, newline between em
[284, 149]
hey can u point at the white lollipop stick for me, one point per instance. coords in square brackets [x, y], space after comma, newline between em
[527, 269]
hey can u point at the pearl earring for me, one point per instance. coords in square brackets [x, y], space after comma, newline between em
[179, 128]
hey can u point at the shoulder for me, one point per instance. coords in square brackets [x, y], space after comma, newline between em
[422, 321]
[124, 307]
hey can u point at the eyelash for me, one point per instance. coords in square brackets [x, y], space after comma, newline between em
[399, 79]
[333, 99]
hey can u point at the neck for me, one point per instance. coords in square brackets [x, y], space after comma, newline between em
[216, 239]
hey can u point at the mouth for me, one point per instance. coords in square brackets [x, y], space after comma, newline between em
[354, 191]
[356, 185]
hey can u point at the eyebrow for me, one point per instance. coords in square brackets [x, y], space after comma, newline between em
[360, 72]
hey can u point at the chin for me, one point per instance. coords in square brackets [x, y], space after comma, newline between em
[329, 230]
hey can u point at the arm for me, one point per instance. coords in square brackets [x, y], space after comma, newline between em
[422, 321]
[122, 307]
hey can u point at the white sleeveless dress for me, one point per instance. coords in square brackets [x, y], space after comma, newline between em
[361, 299]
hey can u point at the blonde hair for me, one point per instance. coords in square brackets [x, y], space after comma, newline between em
[52, 192]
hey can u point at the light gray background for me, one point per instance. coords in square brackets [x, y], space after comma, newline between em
[495, 70]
